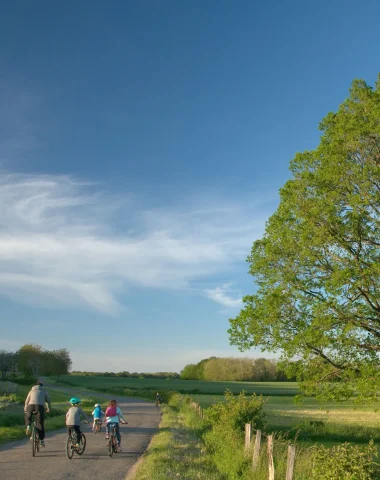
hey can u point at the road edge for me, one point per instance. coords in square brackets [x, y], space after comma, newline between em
[134, 468]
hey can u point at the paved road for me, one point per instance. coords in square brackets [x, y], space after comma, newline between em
[17, 463]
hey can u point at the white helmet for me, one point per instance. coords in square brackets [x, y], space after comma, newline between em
[97, 404]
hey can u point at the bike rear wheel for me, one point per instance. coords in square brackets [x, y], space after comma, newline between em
[69, 447]
[82, 445]
[35, 441]
[110, 445]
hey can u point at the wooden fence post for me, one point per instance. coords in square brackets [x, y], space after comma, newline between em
[247, 437]
[270, 458]
[256, 451]
[291, 461]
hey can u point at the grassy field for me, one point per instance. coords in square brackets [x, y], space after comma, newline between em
[264, 388]
[340, 422]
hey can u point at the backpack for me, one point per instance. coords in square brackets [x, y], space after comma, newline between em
[111, 412]
[97, 411]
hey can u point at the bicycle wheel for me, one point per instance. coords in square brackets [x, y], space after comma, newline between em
[69, 447]
[82, 445]
[34, 435]
[110, 445]
[37, 442]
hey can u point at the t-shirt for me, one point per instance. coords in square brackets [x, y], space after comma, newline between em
[116, 418]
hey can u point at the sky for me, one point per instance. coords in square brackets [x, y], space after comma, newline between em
[142, 149]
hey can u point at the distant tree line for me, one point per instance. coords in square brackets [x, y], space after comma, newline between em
[33, 360]
[125, 374]
[235, 369]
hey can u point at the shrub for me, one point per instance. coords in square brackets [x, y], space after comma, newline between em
[224, 439]
[237, 411]
[346, 462]
[28, 381]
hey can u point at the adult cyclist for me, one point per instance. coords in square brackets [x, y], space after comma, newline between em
[35, 402]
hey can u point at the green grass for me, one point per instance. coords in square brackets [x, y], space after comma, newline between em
[341, 422]
[12, 414]
[176, 451]
[265, 388]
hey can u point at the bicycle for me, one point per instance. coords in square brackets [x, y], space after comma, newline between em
[97, 426]
[71, 443]
[35, 437]
[112, 442]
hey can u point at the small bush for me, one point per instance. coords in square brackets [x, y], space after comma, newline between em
[346, 462]
[6, 400]
[28, 381]
[237, 411]
[224, 439]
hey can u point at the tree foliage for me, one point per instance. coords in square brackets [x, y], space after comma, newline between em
[234, 369]
[33, 360]
[317, 266]
[195, 371]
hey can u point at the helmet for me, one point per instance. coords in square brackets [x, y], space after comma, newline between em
[74, 400]
[97, 404]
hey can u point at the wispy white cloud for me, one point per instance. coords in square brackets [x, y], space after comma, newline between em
[66, 242]
[224, 295]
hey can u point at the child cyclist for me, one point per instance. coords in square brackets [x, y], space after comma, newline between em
[73, 417]
[97, 414]
[113, 416]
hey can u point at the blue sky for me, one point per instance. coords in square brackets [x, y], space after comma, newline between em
[142, 147]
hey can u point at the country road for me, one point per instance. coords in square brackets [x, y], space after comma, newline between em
[17, 463]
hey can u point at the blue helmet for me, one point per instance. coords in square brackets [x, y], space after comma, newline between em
[74, 401]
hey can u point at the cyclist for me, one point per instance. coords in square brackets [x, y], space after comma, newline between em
[97, 414]
[158, 399]
[113, 416]
[73, 417]
[35, 402]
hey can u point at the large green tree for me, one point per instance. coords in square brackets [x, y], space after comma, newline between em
[317, 267]
[34, 360]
